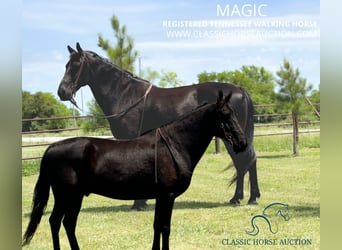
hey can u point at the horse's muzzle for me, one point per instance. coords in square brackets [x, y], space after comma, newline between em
[64, 94]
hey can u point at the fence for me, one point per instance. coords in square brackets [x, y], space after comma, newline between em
[31, 143]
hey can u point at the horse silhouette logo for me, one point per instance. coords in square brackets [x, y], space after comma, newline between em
[270, 215]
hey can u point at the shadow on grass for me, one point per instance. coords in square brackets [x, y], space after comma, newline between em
[274, 156]
[310, 210]
[150, 207]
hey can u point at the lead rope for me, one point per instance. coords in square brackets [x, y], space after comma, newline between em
[143, 110]
[156, 156]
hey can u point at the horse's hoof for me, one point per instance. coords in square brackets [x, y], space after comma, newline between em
[138, 208]
[253, 203]
[234, 203]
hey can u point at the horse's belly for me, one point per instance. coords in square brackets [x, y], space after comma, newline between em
[126, 191]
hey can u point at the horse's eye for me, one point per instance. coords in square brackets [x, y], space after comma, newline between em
[75, 64]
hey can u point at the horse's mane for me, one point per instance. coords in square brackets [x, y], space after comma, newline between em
[111, 64]
[182, 117]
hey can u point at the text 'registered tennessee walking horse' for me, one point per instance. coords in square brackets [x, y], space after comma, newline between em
[133, 106]
[158, 164]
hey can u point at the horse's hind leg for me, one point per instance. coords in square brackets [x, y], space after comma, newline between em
[243, 162]
[70, 219]
[55, 221]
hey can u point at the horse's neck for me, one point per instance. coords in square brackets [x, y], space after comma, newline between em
[110, 86]
[193, 135]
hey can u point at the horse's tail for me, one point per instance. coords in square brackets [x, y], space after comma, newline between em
[249, 156]
[40, 199]
[234, 178]
[249, 129]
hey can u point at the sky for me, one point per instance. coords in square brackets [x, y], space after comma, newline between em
[186, 37]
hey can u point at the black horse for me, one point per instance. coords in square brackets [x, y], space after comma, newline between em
[133, 106]
[158, 164]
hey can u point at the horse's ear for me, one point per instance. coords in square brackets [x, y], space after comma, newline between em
[71, 50]
[220, 96]
[78, 47]
[227, 99]
[219, 102]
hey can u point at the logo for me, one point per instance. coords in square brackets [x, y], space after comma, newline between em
[270, 215]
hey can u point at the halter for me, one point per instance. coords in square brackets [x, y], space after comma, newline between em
[225, 132]
[75, 83]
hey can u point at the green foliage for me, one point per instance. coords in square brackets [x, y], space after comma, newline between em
[292, 88]
[42, 105]
[150, 75]
[122, 53]
[292, 92]
[97, 120]
[315, 98]
[169, 79]
[30, 167]
[164, 79]
[256, 80]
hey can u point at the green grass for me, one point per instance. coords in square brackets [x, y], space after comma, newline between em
[201, 218]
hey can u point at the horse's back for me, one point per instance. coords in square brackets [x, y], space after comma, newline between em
[62, 159]
[67, 149]
[196, 94]
[240, 100]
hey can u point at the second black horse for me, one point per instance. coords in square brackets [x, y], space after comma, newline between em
[158, 164]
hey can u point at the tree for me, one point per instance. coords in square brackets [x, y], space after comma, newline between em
[42, 105]
[122, 53]
[164, 79]
[292, 92]
[169, 79]
[150, 75]
[258, 81]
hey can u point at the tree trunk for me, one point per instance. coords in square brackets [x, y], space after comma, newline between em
[295, 134]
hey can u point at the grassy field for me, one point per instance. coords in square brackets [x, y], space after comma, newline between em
[201, 218]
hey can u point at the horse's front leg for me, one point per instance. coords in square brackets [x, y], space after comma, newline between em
[162, 221]
[253, 179]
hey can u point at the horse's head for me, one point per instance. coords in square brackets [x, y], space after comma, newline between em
[229, 125]
[76, 74]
